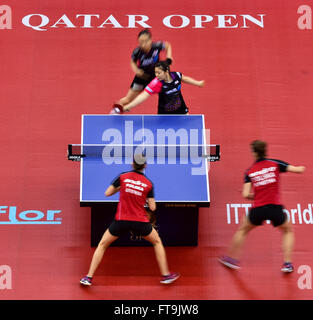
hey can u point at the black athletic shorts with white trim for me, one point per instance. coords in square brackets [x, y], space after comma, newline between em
[271, 212]
[120, 227]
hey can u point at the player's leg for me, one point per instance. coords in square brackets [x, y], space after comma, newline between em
[155, 240]
[130, 96]
[104, 243]
[279, 219]
[240, 237]
[288, 239]
[232, 258]
[136, 88]
[159, 250]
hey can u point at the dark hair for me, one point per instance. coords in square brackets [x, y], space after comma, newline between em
[139, 161]
[145, 31]
[164, 65]
[259, 147]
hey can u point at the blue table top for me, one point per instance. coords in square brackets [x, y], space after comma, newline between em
[179, 173]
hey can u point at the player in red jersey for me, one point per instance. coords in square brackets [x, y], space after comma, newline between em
[263, 178]
[143, 60]
[135, 190]
[168, 85]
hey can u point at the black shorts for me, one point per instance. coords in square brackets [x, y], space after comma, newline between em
[139, 84]
[120, 227]
[271, 212]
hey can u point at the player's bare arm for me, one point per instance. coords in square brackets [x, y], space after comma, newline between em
[151, 204]
[111, 190]
[246, 191]
[189, 80]
[139, 72]
[138, 100]
[295, 169]
[168, 50]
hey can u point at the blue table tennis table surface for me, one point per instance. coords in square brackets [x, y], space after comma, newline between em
[176, 180]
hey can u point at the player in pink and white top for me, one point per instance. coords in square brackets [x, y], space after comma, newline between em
[167, 85]
[263, 178]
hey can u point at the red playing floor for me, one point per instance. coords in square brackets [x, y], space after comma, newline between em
[258, 72]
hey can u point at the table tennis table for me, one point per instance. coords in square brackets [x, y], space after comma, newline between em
[178, 157]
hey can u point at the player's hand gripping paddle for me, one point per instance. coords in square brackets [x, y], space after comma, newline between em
[117, 109]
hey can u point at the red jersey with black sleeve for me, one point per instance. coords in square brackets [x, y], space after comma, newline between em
[135, 189]
[264, 176]
[147, 60]
[171, 100]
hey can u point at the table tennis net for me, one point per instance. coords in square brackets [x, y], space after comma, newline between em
[76, 152]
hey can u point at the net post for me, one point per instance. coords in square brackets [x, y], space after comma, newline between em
[69, 151]
[71, 156]
[218, 151]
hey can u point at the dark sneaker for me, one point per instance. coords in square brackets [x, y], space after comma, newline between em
[170, 278]
[86, 281]
[287, 267]
[229, 262]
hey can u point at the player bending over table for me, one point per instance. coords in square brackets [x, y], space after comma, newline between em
[143, 60]
[263, 177]
[131, 216]
[168, 85]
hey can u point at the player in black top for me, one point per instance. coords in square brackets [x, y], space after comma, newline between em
[168, 85]
[143, 60]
